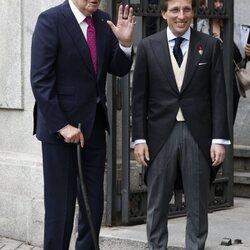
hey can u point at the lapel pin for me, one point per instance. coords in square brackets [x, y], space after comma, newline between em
[200, 50]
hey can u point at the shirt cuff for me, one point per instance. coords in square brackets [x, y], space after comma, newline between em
[214, 141]
[133, 143]
[126, 50]
[221, 141]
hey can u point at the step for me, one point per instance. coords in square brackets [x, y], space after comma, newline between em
[242, 184]
[242, 177]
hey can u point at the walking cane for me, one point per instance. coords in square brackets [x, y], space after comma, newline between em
[84, 194]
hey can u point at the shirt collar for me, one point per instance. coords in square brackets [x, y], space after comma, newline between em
[171, 36]
[80, 17]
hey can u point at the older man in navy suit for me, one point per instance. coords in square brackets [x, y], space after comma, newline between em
[74, 46]
[179, 120]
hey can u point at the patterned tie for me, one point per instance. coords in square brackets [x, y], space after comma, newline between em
[177, 50]
[91, 39]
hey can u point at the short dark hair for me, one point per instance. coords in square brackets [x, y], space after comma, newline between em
[164, 4]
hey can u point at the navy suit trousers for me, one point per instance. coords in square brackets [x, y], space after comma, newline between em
[61, 187]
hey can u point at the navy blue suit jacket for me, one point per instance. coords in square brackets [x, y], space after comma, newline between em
[63, 80]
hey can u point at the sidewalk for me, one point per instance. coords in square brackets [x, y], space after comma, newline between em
[8, 244]
[232, 223]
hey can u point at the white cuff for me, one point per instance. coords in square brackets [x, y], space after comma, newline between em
[126, 50]
[221, 141]
[132, 145]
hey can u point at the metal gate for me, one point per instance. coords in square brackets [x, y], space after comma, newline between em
[126, 198]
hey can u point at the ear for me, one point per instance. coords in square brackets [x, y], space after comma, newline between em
[164, 15]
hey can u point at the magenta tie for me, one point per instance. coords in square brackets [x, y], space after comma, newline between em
[91, 39]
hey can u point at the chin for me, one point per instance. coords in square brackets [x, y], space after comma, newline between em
[181, 31]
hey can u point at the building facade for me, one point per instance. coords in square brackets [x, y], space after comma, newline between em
[21, 181]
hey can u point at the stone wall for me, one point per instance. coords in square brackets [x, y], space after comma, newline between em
[21, 182]
[21, 188]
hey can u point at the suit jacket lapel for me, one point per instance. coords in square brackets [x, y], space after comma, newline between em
[161, 51]
[77, 36]
[196, 46]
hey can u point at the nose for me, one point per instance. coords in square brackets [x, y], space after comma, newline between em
[181, 14]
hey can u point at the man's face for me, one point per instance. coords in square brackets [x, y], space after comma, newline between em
[87, 7]
[179, 16]
[218, 4]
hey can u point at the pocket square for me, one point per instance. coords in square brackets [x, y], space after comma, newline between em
[202, 63]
